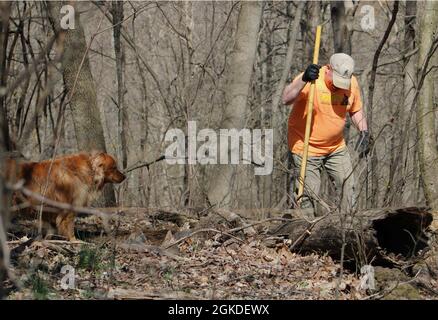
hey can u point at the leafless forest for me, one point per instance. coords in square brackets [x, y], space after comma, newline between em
[126, 72]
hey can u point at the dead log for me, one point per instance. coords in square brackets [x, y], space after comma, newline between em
[369, 235]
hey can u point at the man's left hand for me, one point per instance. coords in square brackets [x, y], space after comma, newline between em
[363, 144]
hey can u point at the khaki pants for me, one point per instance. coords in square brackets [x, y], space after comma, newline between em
[339, 169]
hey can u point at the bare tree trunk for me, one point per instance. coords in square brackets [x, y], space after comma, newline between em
[427, 147]
[341, 31]
[315, 20]
[4, 141]
[143, 177]
[4, 36]
[240, 71]
[188, 196]
[4, 213]
[402, 185]
[119, 50]
[267, 107]
[117, 13]
[81, 90]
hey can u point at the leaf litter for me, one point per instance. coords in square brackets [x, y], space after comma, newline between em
[147, 257]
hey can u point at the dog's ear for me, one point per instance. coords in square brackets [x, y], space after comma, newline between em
[97, 164]
[96, 159]
[97, 154]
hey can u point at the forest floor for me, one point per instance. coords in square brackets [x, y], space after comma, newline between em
[155, 254]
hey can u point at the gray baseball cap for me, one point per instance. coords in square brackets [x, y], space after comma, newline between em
[343, 67]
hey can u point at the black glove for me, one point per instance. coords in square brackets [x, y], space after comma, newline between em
[363, 144]
[311, 73]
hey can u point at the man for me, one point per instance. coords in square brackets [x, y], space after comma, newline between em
[337, 93]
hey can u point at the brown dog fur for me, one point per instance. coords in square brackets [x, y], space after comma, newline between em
[74, 179]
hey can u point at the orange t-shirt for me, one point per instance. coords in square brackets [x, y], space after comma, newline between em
[329, 113]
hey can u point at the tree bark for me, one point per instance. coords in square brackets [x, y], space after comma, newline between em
[4, 36]
[341, 31]
[117, 13]
[240, 71]
[4, 142]
[401, 185]
[144, 188]
[369, 235]
[81, 89]
[4, 214]
[427, 146]
[314, 8]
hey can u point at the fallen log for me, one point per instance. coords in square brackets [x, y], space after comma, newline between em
[369, 235]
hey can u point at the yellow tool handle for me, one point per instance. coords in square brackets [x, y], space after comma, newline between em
[309, 118]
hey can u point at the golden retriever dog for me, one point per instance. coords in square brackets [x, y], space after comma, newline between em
[73, 179]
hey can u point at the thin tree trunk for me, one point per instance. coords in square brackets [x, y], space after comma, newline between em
[315, 20]
[341, 31]
[240, 72]
[4, 36]
[427, 146]
[401, 188]
[4, 142]
[4, 213]
[267, 70]
[188, 96]
[119, 50]
[117, 13]
[143, 177]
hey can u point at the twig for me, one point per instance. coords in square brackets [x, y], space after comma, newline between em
[26, 73]
[144, 164]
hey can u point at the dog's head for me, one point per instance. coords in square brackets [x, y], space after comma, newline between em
[105, 169]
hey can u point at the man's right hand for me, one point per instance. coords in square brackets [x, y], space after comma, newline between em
[311, 73]
[363, 144]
